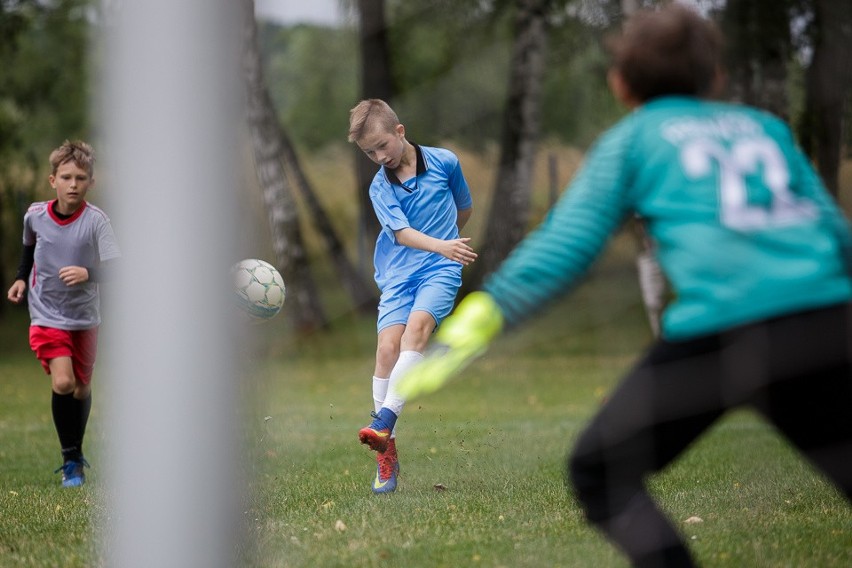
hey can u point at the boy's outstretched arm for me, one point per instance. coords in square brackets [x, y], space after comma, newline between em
[464, 336]
[457, 250]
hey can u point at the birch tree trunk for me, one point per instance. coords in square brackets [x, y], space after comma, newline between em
[266, 134]
[510, 205]
[364, 297]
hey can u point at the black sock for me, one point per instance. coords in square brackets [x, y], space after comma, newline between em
[83, 407]
[66, 414]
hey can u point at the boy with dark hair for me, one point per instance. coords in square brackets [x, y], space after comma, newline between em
[758, 258]
[67, 242]
[422, 201]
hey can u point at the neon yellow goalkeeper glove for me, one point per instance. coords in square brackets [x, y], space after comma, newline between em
[463, 337]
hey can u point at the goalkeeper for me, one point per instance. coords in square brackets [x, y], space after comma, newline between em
[755, 250]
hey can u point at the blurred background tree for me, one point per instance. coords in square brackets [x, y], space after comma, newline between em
[447, 67]
[267, 138]
[44, 94]
[444, 67]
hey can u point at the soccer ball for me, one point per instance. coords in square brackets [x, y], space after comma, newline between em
[258, 288]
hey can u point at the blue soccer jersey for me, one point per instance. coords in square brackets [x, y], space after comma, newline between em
[743, 226]
[429, 203]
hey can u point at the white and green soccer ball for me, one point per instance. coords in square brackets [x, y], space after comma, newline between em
[259, 288]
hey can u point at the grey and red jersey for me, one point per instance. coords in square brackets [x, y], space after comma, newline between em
[85, 239]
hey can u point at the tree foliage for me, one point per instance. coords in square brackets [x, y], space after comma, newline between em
[450, 63]
[44, 78]
[451, 59]
[44, 94]
[313, 75]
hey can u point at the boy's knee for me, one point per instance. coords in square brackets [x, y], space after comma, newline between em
[387, 352]
[417, 334]
[64, 383]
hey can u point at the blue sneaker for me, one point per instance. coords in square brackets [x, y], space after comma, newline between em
[72, 473]
[377, 434]
[387, 470]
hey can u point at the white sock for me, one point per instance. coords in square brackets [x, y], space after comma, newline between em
[393, 401]
[380, 391]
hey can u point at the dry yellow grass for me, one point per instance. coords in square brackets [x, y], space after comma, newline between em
[845, 193]
[331, 172]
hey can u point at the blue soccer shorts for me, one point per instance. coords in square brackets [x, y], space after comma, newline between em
[436, 294]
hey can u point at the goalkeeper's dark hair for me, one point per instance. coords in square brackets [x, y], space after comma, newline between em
[670, 51]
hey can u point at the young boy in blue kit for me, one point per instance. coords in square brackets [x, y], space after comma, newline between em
[422, 201]
[757, 254]
[67, 244]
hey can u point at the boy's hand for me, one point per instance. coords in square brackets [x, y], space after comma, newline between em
[463, 337]
[73, 275]
[16, 292]
[457, 250]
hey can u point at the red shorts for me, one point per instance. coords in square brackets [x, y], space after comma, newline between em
[81, 345]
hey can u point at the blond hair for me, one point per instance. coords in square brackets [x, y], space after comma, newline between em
[78, 152]
[368, 115]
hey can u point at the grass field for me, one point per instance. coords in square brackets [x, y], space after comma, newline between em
[482, 461]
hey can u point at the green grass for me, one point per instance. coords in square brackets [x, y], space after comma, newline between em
[482, 461]
[40, 524]
[497, 443]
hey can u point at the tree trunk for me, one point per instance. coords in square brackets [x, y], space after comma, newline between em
[829, 82]
[266, 135]
[510, 205]
[759, 42]
[376, 83]
[363, 295]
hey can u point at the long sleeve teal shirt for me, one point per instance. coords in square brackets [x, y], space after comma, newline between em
[743, 227]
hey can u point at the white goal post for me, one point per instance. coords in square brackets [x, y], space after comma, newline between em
[168, 122]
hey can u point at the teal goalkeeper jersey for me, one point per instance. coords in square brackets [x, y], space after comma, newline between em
[744, 228]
